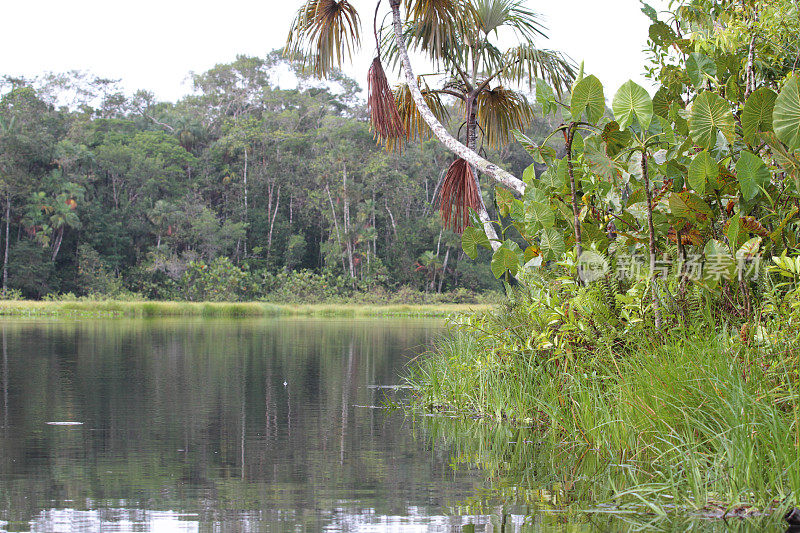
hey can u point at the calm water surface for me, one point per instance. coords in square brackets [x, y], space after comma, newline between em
[231, 425]
[261, 425]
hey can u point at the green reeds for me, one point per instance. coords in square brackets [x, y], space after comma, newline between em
[690, 425]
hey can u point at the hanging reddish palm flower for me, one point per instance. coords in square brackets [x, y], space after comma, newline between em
[458, 194]
[386, 122]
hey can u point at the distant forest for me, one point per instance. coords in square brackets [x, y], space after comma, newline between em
[237, 191]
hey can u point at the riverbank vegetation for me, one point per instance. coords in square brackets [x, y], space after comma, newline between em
[652, 269]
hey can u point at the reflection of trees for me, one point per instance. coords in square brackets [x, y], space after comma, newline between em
[180, 410]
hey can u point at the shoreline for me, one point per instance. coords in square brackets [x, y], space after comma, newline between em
[148, 309]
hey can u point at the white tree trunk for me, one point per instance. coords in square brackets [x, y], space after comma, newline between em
[450, 142]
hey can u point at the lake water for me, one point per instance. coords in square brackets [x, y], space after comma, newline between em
[251, 425]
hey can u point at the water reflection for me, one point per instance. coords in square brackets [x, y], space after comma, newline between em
[232, 424]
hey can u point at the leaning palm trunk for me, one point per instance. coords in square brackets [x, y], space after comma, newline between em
[450, 142]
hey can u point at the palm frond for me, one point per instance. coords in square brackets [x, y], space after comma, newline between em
[436, 27]
[414, 125]
[526, 63]
[494, 14]
[323, 34]
[459, 194]
[384, 116]
[500, 112]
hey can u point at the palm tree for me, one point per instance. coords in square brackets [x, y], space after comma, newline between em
[459, 37]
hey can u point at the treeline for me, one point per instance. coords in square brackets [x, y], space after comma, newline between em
[236, 191]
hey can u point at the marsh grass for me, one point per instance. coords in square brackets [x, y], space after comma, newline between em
[693, 424]
[149, 309]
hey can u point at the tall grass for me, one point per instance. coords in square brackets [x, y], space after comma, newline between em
[692, 423]
[145, 309]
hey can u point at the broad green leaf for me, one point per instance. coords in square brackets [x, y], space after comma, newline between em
[471, 239]
[710, 114]
[748, 250]
[540, 154]
[732, 89]
[506, 258]
[753, 174]
[552, 179]
[662, 102]
[504, 199]
[661, 34]
[786, 116]
[540, 214]
[615, 140]
[529, 174]
[632, 101]
[702, 169]
[648, 10]
[719, 262]
[700, 67]
[599, 163]
[757, 113]
[545, 97]
[734, 231]
[588, 96]
[534, 194]
[552, 244]
[689, 206]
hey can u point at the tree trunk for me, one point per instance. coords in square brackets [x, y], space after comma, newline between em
[346, 215]
[272, 222]
[57, 244]
[443, 135]
[245, 202]
[444, 269]
[651, 237]
[576, 213]
[5, 256]
[391, 218]
[336, 225]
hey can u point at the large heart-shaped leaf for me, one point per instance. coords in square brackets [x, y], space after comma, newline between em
[507, 257]
[552, 244]
[702, 170]
[471, 239]
[689, 206]
[552, 179]
[588, 96]
[753, 174]
[540, 214]
[757, 113]
[632, 101]
[598, 161]
[719, 262]
[700, 67]
[710, 114]
[786, 116]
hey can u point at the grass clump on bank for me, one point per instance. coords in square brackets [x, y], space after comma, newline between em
[147, 309]
[699, 416]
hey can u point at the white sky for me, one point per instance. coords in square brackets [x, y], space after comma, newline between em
[154, 44]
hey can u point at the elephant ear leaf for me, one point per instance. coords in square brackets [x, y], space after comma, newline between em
[507, 258]
[710, 114]
[702, 170]
[471, 239]
[753, 174]
[757, 113]
[588, 96]
[786, 116]
[632, 102]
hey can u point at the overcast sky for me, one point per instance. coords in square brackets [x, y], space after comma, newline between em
[154, 44]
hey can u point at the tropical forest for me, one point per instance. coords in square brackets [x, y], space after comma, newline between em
[480, 289]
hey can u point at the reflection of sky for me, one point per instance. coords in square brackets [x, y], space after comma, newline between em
[340, 519]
